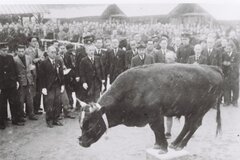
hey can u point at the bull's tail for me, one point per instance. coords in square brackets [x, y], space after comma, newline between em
[218, 118]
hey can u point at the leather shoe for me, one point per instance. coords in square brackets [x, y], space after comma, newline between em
[57, 123]
[33, 117]
[21, 120]
[38, 113]
[69, 116]
[18, 123]
[49, 124]
[2, 126]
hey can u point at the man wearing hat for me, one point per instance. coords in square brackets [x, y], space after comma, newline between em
[141, 58]
[185, 50]
[8, 88]
[70, 63]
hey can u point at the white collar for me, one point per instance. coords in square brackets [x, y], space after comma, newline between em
[51, 60]
[230, 54]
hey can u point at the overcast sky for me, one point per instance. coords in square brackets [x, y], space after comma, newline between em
[221, 9]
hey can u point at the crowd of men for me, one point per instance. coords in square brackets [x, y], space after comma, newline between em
[27, 72]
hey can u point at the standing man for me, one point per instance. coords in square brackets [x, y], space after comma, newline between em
[25, 78]
[8, 88]
[37, 57]
[214, 57]
[160, 56]
[92, 74]
[116, 61]
[184, 50]
[198, 58]
[142, 58]
[53, 86]
[131, 53]
[231, 75]
[103, 54]
[70, 63]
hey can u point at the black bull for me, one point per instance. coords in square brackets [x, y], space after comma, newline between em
[144, 95]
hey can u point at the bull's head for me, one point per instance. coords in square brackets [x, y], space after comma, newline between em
[91, 123]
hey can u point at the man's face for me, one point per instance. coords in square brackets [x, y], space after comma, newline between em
[56, 44]
[198, 50]
[52, 52]
[141, 51]
[223, 42]
[163, 44]
[99, 44]
[133, 45]
[210, 43]
[185, 41]
[4, 51]
[34, 42]
[150, 45]
[62, 49]
[21, 52]
[115, 43]
[178, 41]
[228, 48]
[90, 50]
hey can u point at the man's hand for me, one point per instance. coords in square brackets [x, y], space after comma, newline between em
[62, 89]
[17, 85]
[85, 86]
[36, 60]
[103, 81]
[226, 63]
[77, 79]
[44, 91]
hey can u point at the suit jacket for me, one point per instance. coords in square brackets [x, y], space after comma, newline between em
[159, 57]
[215, 58]
[24, 72]
[184, 52]
[116, 63]
[129, 55]
[104, 57]
[90, 71]
[8, 72]
[54, 75]
[232, 71]
[202, 59]
[136, 60]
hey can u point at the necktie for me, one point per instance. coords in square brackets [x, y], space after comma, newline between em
[115, 52]
[92, 60]
[53, 63]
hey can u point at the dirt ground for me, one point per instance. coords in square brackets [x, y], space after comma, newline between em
[35, 141]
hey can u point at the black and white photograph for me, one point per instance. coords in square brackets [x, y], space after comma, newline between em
[119, 80]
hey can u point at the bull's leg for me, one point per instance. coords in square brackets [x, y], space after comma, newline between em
[182, 134]
[158, 128]
[194, 126]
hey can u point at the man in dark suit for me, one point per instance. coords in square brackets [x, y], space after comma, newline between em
[25, 67]
[184, 50]
[70, 63]
[231, 75]
[198, 58]
[92, 74]
[159, 56]
[103, 55]
[8, 88]
[116, 61]
[142, 58]
[214, 57]
[131, 53]
[53, 86]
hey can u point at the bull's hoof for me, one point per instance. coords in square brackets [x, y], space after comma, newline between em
[175, 147]
[156, 146]
[162, 151]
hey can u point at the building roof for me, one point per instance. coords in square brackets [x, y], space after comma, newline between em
[22, 9]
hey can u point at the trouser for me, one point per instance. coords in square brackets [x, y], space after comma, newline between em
[37, 101]
[65, 103]
[25, 95]
[10, 95]
[69, 94]
[79, 94]
[94, 91]
[52, 103]
[231, 91]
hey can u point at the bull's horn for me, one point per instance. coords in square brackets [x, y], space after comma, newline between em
[83, 104]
